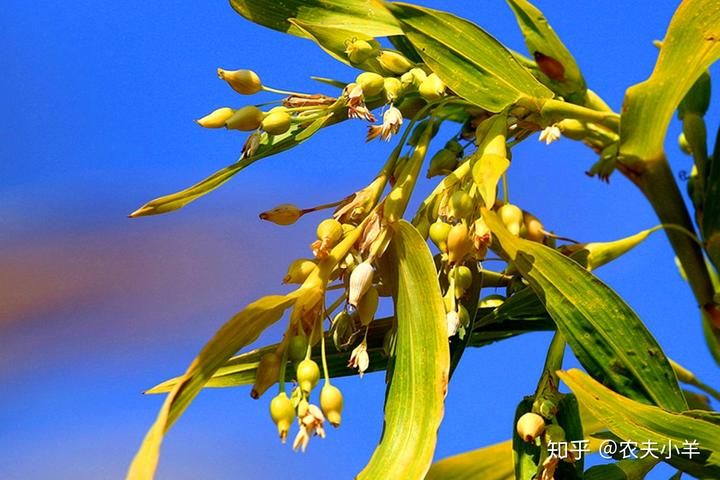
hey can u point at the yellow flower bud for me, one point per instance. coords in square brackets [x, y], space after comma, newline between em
[308, 375]
[368, 305]
[282, 413]
[245, 82]
[276, 123]
[439, 232]
[394, 62]
[459, 243]
[360, 282]
[414, 78]
[331, 402]
[393, 89]
[512, 217]
[358, 51]
[285, 214]
[372, 83]
[533, 229]
[299, 270]
[330, 230]
[216, 118]
[462, 276]
[267, 374]
[245, 119]
[461, 204]
[297, 348]
[530, 426]
[432, 88]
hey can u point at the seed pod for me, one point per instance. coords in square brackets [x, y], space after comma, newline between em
[532, 229]
[511, 217]
[267, 374]
[299, 270]
[358, 51]
[530, 426]
[459, 243]
[331, 402]
[308, 375]
[245, 119]
[442, 163]
[393, 89]
[461, 204]
[439, 232]
[394, 62]
[554, 433]
[276, 123]
[216, 118]
[245, 82]
[368, 305]
[432, 88]
[360, 282]
[282, 413]
[372, 83]
[285, 214]
[297, 348]
[462, 276]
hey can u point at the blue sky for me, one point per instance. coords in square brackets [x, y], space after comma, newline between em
[98, 102]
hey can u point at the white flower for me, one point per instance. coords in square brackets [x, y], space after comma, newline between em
[550, 134]
[359, 358]
[310, 424]
[453, 322]
[392, 120]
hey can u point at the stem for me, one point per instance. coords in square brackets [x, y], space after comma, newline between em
[553, 362]
[285, 92]
[283, 366]
[506, 195]
[324, 359]
[556, 110]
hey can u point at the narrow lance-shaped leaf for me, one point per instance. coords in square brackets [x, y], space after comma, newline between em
[607, 337]
[489, 463]
[414, 403]
[470, 61]
[368, 16]
[637, 422]
[691, 45]
[559, 69]
[241, 330]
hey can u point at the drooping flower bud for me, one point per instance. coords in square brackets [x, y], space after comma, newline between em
[245, 119]
[368, 305]
[439, 232]
[463, 320]
[554, 433]
[532, 228]
[432, 88]
[276, 123]
[394, 62]
[462, 276]
[299, 270]
[360, 282]
[285, 214]
[282, 413]
[358, 50]
[329, 232]
[331, 402]
[267, 374]
[359, 358]
[530, 426]
[459, 243]
[413, 78]
[442, 163]
[308, 375]
[372, 83]
[216, 118]
[461, 205]
[245, 82]
[393, 89]
[512, 218]
[297, 348]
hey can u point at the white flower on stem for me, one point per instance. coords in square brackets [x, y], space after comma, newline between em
[550, 134]
[453, 322]
[356, 103]
[392, 120]
[310, 424]
[359, 358]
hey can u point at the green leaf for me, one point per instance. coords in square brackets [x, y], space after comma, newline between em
[470, 61]
[691, 45]
[368, 16]
[490, 463]
[526, 455]
[711, 208]
[637, 422]
[241, 330]
[607, 337]
[470, 302]
[416, 391]
[629, 469]
[557, 66]
[269, 145]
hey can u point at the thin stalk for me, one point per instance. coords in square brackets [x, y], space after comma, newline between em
[553, 362]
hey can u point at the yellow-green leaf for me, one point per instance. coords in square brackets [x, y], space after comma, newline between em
[691, 45]
[469, 60]
[414, 403]
[605, 334]
[637, 422]
[241, 330]
[490, 463]
[555, 63]
[366, 16]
